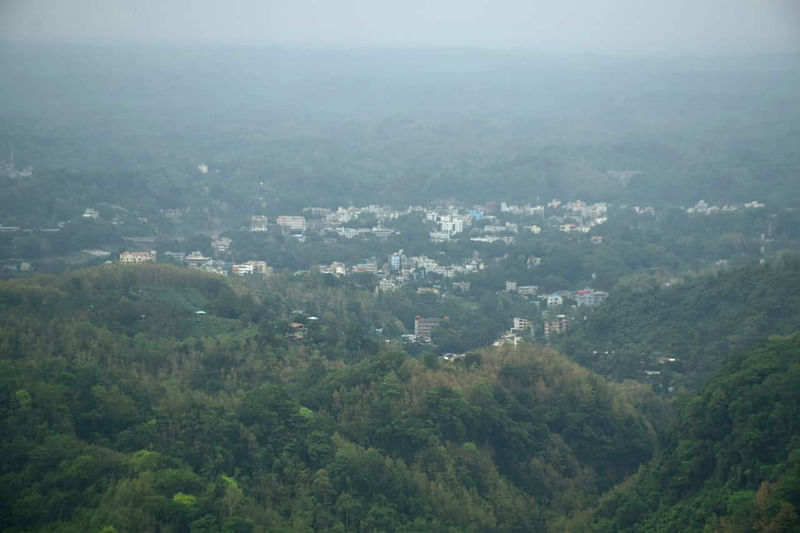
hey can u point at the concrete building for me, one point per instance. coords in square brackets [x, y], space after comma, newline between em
[398, 261]
[521, 324]
[424, 326]
[528, 290]
[386, 285]
[259, 223]
[291, 223]
[590, 297]
[251, 267]
[559, 325]
[197, 260]
[242, 269]
[138, 257]
[369, 267]
[222, 245]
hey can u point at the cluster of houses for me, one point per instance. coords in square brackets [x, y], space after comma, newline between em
[521, 326]
[400, 269]
[583, 297]
[485, 222]
[396, 271]
[323, 220]
[197, 260]
[578, 217]
[552, 323]
[702, 208]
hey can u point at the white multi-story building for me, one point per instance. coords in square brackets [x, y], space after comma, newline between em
[221, 245]
[440, 236]
[559, 325]
[292, 223]
[521, 324]
[424, 326]
[528, 290]
[385, 285]
[259, 223]
[242, 269]
[589, 297]
[451, 224]
[196, 259]
[138, 257]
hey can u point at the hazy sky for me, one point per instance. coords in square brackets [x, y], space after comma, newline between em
[598, 25]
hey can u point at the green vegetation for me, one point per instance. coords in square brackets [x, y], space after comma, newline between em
[699, 321]
[154, 398]
[732, 463]
[108, 421]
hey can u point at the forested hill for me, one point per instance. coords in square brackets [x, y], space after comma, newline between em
[149, 416]
[733, 462]
[699, 322]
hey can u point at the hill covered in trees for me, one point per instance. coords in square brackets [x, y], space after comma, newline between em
[699, 321]
[124, 409]
[733, 462]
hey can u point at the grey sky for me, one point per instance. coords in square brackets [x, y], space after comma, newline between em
[599, 25]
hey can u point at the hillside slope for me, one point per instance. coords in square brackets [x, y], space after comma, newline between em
[733, 462]
[700, 322]
[121, 409]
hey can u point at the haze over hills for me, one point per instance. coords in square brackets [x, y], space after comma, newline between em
[466, 124]
[436, 278]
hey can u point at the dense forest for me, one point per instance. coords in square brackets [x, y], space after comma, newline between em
[733, 461]
[215, 426]
[158, 398]
[699, 322]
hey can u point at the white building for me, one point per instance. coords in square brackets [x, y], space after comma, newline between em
[521, 324]
[251, 267]
[386, 285]
[590, 297]
[559, 325]
[292, 223]
[451, 224]
[259, 223]
[528, 290]
[242, 269]
[221, 245]
[196, 259]
[440, 236]
[138, 257]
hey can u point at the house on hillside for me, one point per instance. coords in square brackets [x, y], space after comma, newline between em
[299, 331]
[590, 297]
[138, 257]
[424, 326]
